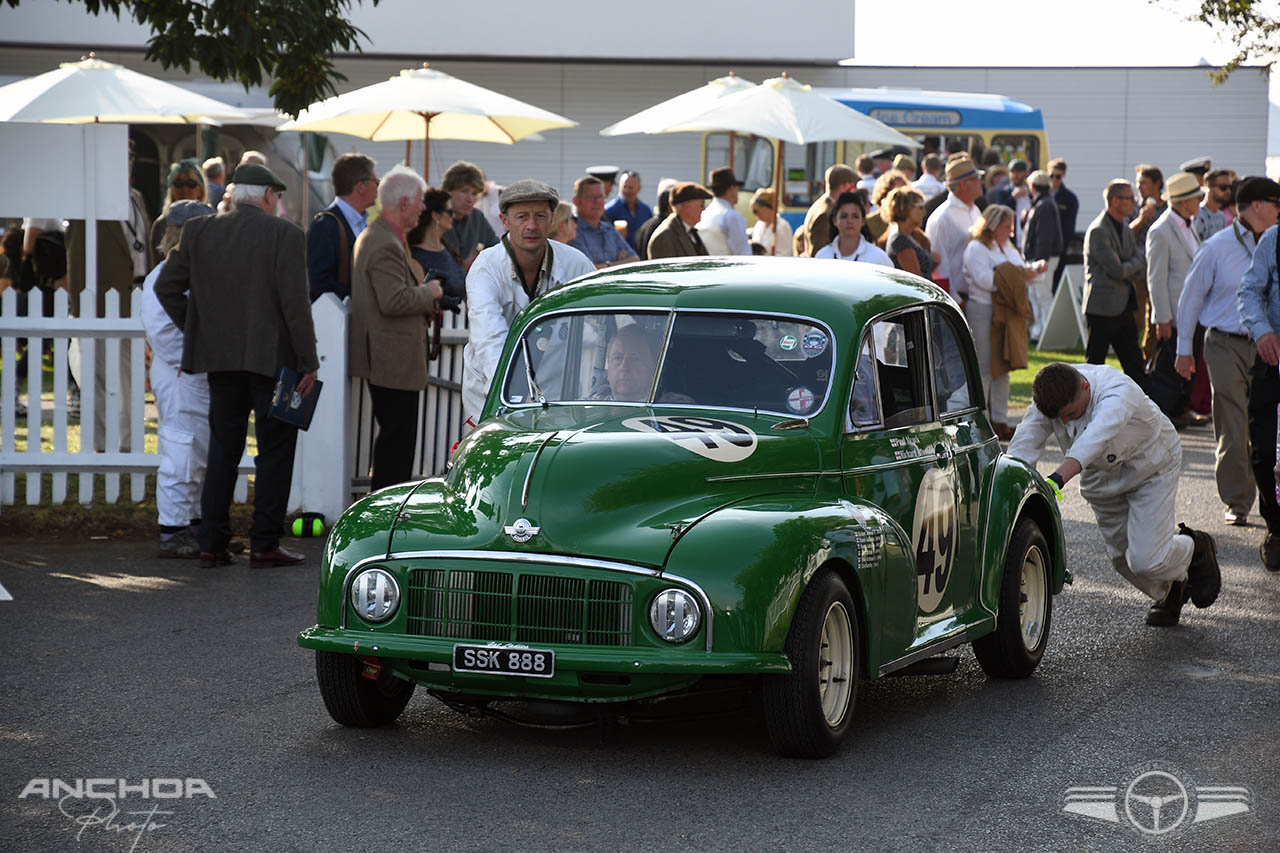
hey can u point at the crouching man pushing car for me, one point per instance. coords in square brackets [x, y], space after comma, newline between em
[1129, 458]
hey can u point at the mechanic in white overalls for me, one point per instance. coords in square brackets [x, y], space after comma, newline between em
[1129, 458]
[182, 407]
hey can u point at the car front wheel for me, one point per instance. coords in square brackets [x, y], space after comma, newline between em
[354, 700]
[809, 711]
[1026, 604]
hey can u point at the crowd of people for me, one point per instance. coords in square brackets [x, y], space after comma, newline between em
[1176, 272]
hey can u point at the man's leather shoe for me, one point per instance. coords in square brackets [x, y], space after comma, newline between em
[278, 557]
[1165, 613]
[222, 558]
[1204, 577]
[1235, 519]
[1270, 551]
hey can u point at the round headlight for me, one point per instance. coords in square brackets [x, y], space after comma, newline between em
[375, 595]
[674, 615]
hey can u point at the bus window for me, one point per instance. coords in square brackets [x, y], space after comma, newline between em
[806, 170]
[752, 158]
[1017, 147]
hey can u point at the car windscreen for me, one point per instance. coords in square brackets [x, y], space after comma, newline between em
[747, 361]
[738, 361]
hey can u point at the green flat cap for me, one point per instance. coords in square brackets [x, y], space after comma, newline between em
[251, 174]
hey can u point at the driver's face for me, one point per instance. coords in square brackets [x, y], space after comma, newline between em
[630, 367]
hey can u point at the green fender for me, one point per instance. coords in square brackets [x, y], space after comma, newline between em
[755, 558]
[360, 532]
[1018, 491]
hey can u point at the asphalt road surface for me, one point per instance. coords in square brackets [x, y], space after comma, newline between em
[118, 665]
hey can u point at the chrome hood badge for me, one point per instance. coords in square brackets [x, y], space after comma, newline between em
[521, 530]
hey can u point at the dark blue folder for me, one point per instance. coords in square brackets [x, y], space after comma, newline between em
[290, 406]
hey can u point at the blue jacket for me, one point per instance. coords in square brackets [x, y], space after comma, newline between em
[323, 253]
[1259, 296]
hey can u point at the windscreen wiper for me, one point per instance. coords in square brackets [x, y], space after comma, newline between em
[534, 390]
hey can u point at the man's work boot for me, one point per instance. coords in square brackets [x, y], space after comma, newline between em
[1204, 578]
[1270, 551]
[1165, 613]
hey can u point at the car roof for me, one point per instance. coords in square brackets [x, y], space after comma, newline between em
[842, 294]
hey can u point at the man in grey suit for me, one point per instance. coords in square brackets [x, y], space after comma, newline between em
[677, 237]
[1112, 263]
[236, 286]
[1171, 246]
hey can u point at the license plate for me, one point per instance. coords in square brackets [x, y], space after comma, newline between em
[505, 660]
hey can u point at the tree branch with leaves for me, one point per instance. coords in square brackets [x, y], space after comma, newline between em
[1252, 26]
[289, 41]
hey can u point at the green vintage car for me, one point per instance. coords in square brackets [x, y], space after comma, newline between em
[768, 469]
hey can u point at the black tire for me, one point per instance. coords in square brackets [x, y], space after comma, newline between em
[1014, 649]
[354, 700]
[799, 725]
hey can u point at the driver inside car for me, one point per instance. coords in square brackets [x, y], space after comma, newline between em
[630, 364]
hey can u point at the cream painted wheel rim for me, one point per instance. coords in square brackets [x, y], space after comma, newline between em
[1033, 598]
[835, 664]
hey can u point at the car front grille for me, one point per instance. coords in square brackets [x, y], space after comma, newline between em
[519, 607]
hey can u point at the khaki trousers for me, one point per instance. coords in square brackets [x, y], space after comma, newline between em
[1229, 359]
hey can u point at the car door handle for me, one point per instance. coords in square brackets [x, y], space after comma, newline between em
[942, 454]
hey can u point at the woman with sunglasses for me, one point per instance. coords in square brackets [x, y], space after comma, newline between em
[186, 183]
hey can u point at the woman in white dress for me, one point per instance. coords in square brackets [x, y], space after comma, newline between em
[765, 208]
[847, 219]
[990, 245]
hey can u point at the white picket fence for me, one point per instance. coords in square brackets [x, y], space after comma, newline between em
[333, 457]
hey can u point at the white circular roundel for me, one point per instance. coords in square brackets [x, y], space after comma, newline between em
[719, 440]
[934, 535]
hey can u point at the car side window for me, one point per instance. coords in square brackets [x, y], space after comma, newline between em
[901, 368]
[952, 384]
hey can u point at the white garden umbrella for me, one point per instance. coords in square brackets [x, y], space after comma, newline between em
[788, 111]
[663, 117]
[422, 103]
[92, 90]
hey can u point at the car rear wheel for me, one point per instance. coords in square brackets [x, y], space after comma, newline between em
[1014, 649]
[808, 712]
[354, 700]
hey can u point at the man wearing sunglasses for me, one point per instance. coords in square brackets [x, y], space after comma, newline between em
[1214, 211]
[332, 237]
[1068, 210]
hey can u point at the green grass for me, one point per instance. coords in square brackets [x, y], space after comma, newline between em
[1020, 380]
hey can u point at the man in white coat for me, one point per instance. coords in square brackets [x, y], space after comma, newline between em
[505, 278]
[1171, 247]
[1129, 458]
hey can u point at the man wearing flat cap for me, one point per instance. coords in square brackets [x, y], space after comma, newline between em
[722, 227]
[1259, 303]
[677, 236]
[1170, 247]
[1210, 299]
[505, 278]
[237, 287]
